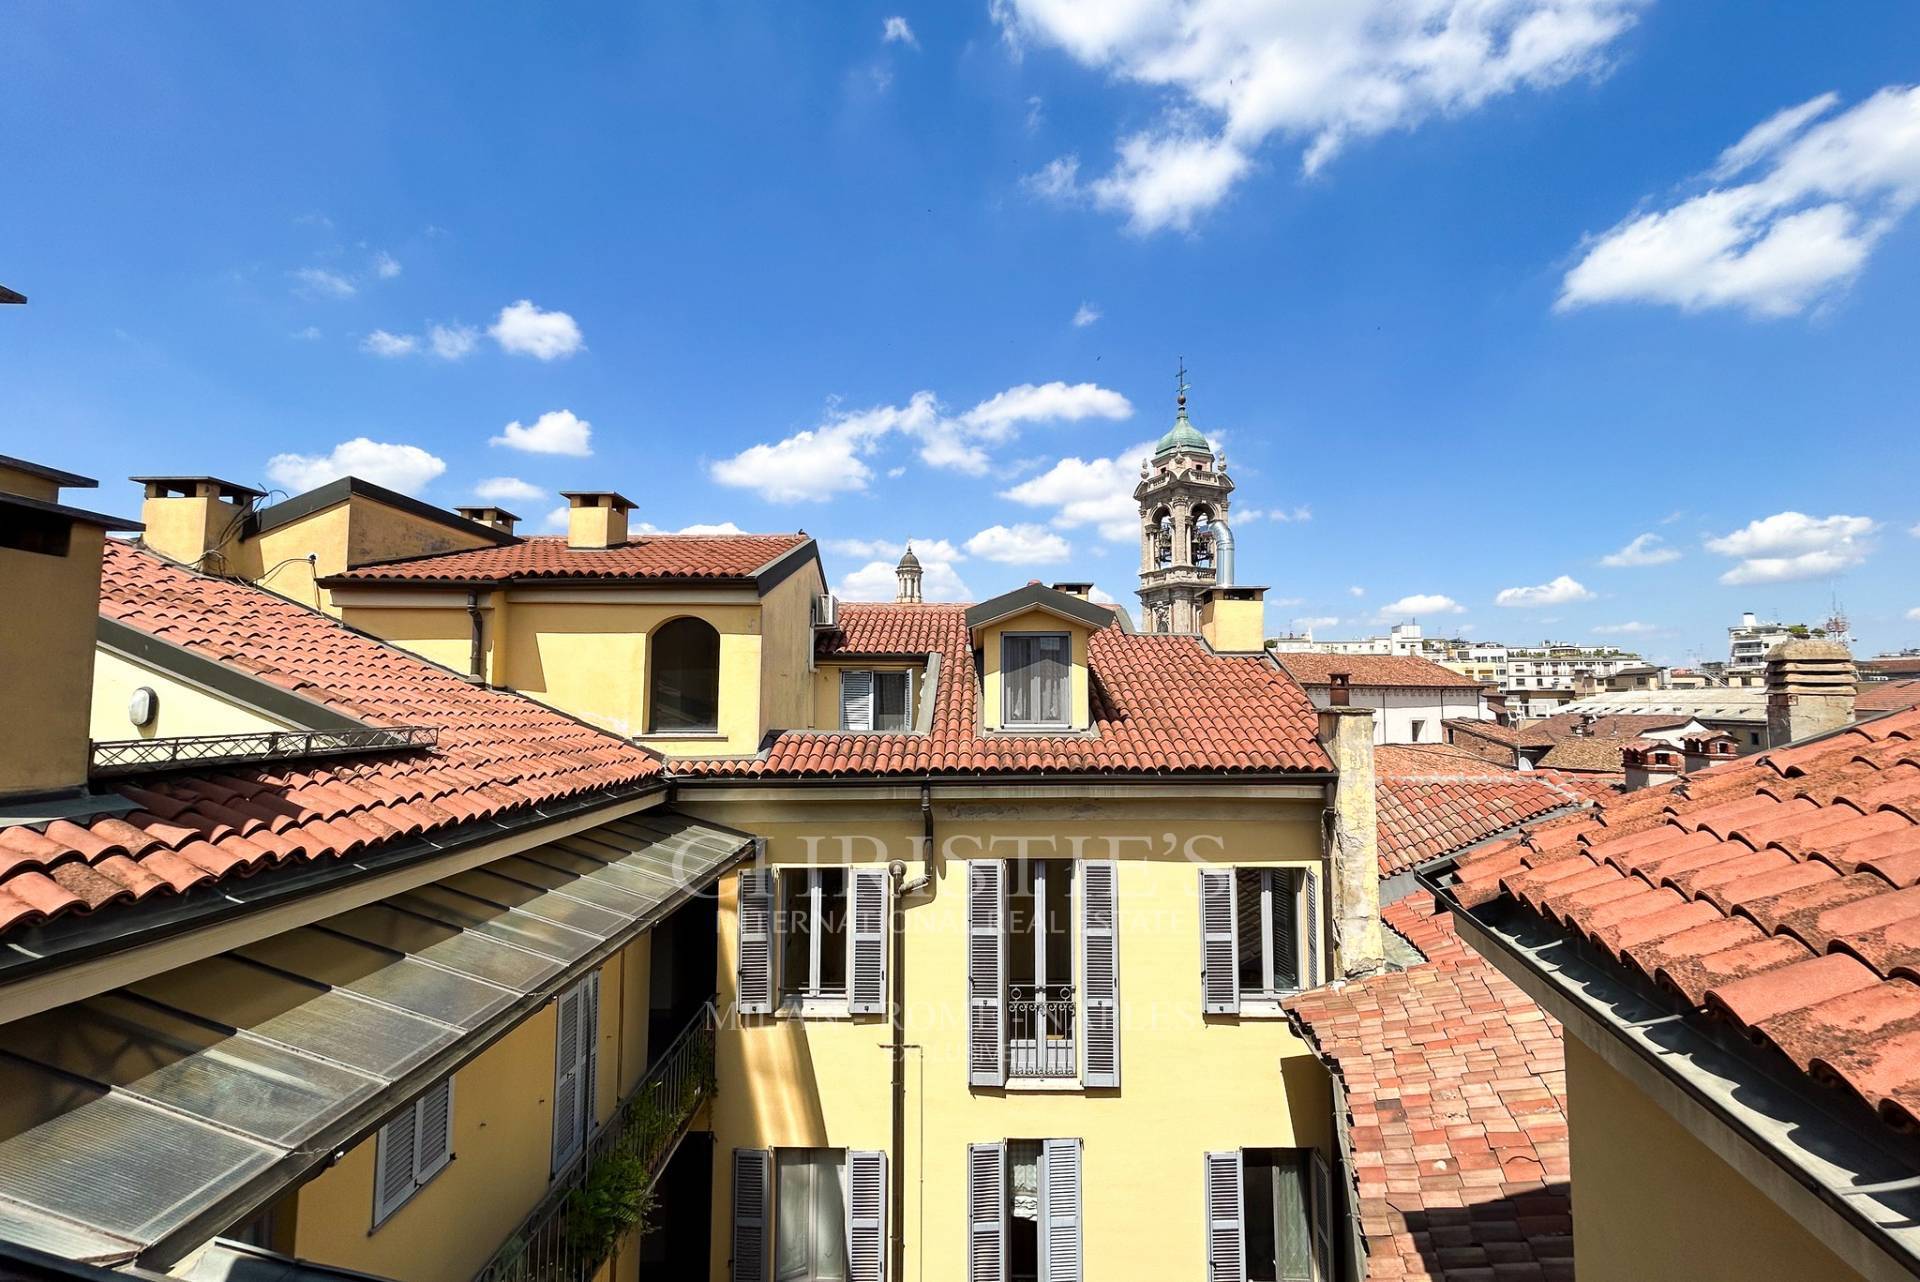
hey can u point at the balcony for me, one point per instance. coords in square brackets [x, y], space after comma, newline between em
[603, 1194]
[1040, 1025]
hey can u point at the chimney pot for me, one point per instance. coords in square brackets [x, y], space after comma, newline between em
[192, 519]
[596, 519]
[495, 517]
[1339, 689]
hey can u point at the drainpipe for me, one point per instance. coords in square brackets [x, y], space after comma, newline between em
[897, 1048]
[477, 656]
[1222, 555]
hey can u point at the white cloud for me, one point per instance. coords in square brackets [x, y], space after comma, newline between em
[1645, 549]
[1058, 180]
[318, 282]
[1324, 74]
[385, 265]
[816, 464]
[1634, 628]
[1914, 614]
[524, 330]
[1817, 199]
[1914, 530]
[710, 527]
[1096, 492]
[1315, 622]
[555, 432]
[1036, 113]
[896, 31]
[509, 489]
[452, 342]
[926, 549]
[1421, 603]
[557, 518]
[1019, 545]
[876, 581]
[406, 468]
[1559, 591]
[1790, 546]
[381, 343]
[1086, 316]
[1356, 590]
[310, 334]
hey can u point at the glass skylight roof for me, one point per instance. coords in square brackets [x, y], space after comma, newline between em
[125, 1117]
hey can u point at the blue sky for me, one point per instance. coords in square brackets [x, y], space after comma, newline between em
[1475, 296]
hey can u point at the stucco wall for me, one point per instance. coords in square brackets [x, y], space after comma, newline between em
[46, 652]
[184, 708]
[1189, 1084]
[1651, 1201]
[1395, 710]
[786, 649]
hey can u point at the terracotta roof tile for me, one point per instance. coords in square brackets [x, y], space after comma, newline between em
[1456, 1089]
[496, 753]
[1161, 705]
[1799, 875]
[651, 556]
[1433, 799]
[1399, 671]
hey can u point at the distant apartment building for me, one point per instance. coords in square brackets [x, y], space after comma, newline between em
[1402, 640]
[1748, 643]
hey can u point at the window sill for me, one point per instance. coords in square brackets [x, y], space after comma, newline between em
[1263, 1007]
[714, 735]
[1044, 1085]
[813, 1008]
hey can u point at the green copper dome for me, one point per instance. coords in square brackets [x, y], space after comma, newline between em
[1183, 436]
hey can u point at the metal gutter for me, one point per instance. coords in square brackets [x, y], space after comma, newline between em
[1859, 1198]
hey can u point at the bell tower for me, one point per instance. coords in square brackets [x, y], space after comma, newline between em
[1186, 546]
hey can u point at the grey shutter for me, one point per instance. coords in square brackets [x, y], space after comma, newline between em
[567, 1038]
[1310, 927]
[866, 1215]
[754, 986]
[590, 1056]
[856, 700]
[1226, 1231]
[1285, 895]
[396, 1158]
[1100, 964]
[1219, 943]
[986, 1213]
[433, 1131]
[1060, 1254]
[986, 973]
[1322, 1212]
[867, 968]
[752, 1205]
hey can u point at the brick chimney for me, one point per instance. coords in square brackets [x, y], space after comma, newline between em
[195, 520]
[1650, 763]
[1810, 687]
[1354, 843]
[1705, 751]
[496, 517]
[50, 598]
[596, 518]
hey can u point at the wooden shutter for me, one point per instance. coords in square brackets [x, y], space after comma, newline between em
[1321, 1209]
[1060, 1254]
[856, 700]
[867, 968]
[986, 973]
[396, 1161]
[1226, 1229]
[866, 1215]
[752, 1212]
[754, 984]
[433, 1132]
[1289, 968]
[1219, 943]
[568, 1057]
[1100, 963]
[1310, 928]
[986, 1213]
[590, 1056]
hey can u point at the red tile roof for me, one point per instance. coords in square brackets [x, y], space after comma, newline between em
[1373, 670]
[653, 556]
[1432, 799]
[1780, 893]
[1161, 705]
[1561, 726]
[1457, 1099]
[1886, 696]
[498, 753]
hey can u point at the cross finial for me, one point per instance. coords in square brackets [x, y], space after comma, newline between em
[1181, 385]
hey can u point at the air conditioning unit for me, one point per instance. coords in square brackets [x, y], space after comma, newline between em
[824, 614]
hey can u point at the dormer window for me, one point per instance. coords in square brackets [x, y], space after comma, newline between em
[1035, 668]
[876, 700]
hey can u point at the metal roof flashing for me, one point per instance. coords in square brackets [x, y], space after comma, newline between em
[1859, 1196]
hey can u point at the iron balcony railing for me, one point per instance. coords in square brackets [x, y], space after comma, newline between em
[138, 756]
[1040, 1031]
[607, 1190]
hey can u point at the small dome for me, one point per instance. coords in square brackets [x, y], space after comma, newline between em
[1183, 436]
[909, 561]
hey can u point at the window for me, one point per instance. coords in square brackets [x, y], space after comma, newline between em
[810, 1215]
[876, 700]
[812, 927]
[1419, 729]
[1024, 1217]
[1040, 993]
[1259, 935]
[683, 693]
[412, 1149]
[576, 1046]
[1034, 671]
[1268, 1213]
[1267, 917]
